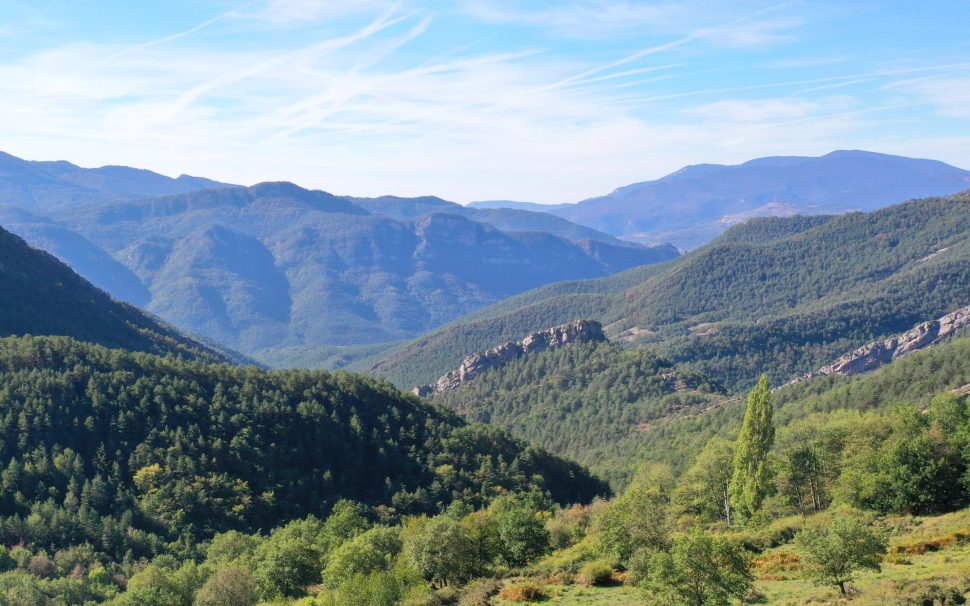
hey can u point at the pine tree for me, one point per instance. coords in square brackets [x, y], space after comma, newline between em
[751, 482]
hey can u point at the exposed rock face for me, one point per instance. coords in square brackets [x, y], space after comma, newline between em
[577, 331]
[873, 355]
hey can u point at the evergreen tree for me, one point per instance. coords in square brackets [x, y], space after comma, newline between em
[752, 482]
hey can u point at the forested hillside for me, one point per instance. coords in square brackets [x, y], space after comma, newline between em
[130, 451]
[40, 295]
[783, 295]
[871, 463]
[910, 380]
[575, 400]
[434, 353]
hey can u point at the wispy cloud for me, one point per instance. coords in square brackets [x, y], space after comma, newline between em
[379, 97]
[750, 23]
[173, 37]
[307, 12]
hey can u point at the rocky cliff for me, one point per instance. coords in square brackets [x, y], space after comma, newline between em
[577, 331]
[873, 355]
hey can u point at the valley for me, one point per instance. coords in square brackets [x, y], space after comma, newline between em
[593, 421]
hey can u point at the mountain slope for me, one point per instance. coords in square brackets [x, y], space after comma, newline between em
[693, 205]
[577, 399]
[53, 187]
[782, 294]
[275, 269]
[157, 449]
[39, 295]
[594, 402]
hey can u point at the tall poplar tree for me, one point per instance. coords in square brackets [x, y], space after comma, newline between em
[751, 482]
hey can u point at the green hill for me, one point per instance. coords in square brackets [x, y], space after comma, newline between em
[912, 379]
[39, 295]
[94, 441]
[575, 400]
[781, 294]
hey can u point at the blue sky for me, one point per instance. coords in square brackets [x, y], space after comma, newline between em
[477, 99]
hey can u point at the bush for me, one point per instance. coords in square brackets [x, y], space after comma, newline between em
[479, 592]
[597, 572]
[230, 586]
[835, 552]
[525, 591]
[42, 566]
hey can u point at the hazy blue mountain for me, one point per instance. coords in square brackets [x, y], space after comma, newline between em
[290, 273]
[695, 204]
[40, 295]
[505, 219]
[533, 206]
[57, 186]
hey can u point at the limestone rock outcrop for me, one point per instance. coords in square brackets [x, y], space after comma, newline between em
[577, 331]
[873, 355]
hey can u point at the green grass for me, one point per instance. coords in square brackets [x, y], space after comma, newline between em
[899, 582]
[903, 581]
[577, 595]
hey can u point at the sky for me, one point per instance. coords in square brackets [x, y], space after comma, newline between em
[477, 99]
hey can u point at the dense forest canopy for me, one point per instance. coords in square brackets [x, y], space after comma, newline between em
[97, 442]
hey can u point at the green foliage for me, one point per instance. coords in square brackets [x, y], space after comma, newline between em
[639, 519]
[164, 585]
[372, 551]
[575, 399]
[704, 490]
[7, 562]
[520, 528]
[918, 468]
[911, 379]
[441, 550]
[837, 551]
[129, 451]
[229, 547]
[751, 481]
[597, 572]
[229, 586]
[288, 561]
[347, 520]
[384, 588]
[699, 570]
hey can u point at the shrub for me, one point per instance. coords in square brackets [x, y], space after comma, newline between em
[229, 586]
[525, 591]
[835, 552]
[42, 566]
[597, 572]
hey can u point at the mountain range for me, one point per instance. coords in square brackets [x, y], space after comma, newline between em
[296, 277]
[694, 204]
[277, 270]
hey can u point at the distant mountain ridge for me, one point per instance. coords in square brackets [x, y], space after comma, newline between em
[695, 204]
[60, 185]
[285, 272]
